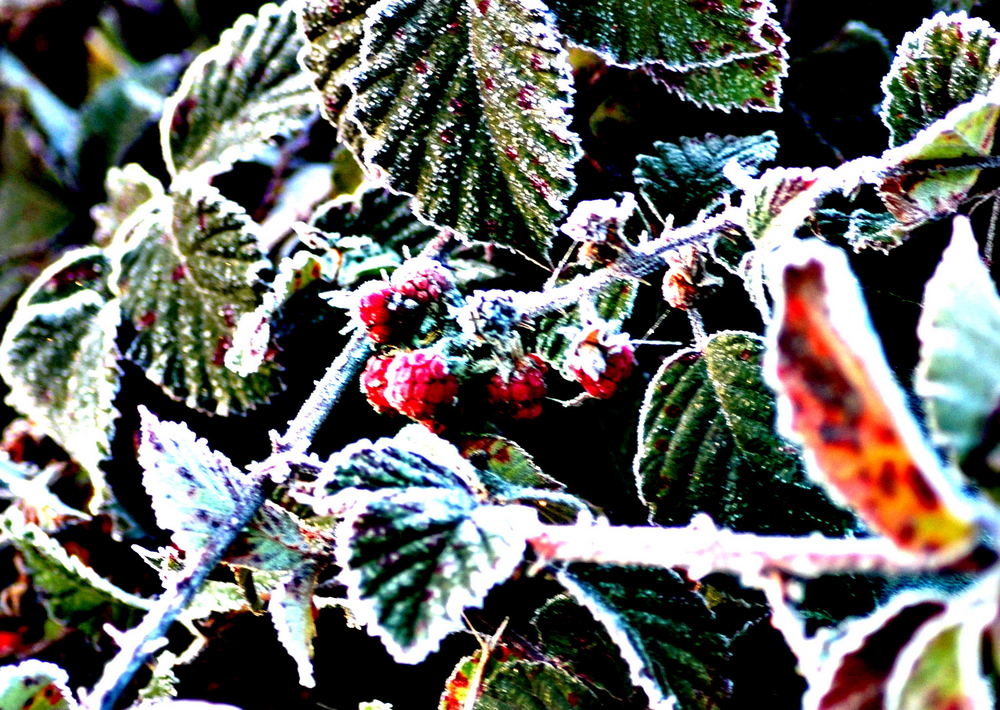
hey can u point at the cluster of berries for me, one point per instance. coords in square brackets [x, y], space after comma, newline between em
[424, 383]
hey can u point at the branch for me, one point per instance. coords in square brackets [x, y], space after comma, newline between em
[136, 645]
[702, 548]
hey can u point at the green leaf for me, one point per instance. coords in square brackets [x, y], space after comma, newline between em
[680, 35]
[35, 685]
[195, 491]
[72, 593]
[779, 201]
[188, 270]
[59, 358]
[376, 214]
[127, 188]
[531, 685]
[747, 84]
[238, 95]
[967, 131]
[334, 32]
[291, 609]
[464, 105]
[945, 62]
[686, 177]
[664, 631]
[274, 540]
[958, 376]
[707, 443]
[862, 229]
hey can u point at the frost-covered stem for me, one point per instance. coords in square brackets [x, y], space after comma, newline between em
[702, 548]
[640, 262]
[313, 412]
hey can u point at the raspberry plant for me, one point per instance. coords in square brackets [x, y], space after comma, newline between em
[629, 428]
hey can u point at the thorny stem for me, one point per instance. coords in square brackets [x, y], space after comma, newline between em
[136, 645]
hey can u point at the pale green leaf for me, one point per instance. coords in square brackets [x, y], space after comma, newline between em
[966, 131]
[128, 188]
[534, 685]
[679, 35]
[239, 94]
[943, 63]
[291, 609]
[665, 633]
[189, 269]
[35, 685]
[958, 376]
[59, 358]
[707, 443]
[274, 540]
[684, 178]
[779, 201]
[464, 105]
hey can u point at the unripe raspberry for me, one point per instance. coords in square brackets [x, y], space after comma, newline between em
[420, 385]
[520, 395]
[375, 309]
[422, 279]
[373, 383]
[600, 361]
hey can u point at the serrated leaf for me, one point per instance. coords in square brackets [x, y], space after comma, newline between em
[72, 593]
[959, 331]
[837, 396]
[378, 214]
[664, 631]
[414, 559]
[59, 358]
[966, 131]
[274, 540]
[862, 229]
[464, 105]
[944, 63]
[195, 491]
[686, 177]
[679, 35]
[530, 685]
[707, 443]
[188, 270]
[35, 685]
[291, 609]
[747, 84]
[239, 94]
[779, 201]
[127, 188]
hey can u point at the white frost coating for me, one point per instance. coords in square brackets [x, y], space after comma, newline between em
[291, 613]
[495, 535]
[639, 672]
[959, 331]
[779, 221]
[591, 220]
[43, 673]
[849, 319]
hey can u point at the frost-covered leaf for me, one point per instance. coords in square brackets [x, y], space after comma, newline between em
[274, 540]
[334, 32]
[195, 491]
[707, 443]
[189, 269]
[73, 593]
[680, 35]
[464, 105]
[35, 685]
[686, 177]
[958, 376]
[291, 609]
[780, 200]
[534, 685]
[238, 95]
[915, 196]
[862, 229]
[414, 559]
[377, 214]
[837, 396]
[747, 84]
[943, 63]
[59, 358]
[127, 187]
[665, 632]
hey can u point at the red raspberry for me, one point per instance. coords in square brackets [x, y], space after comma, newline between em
[374, 309]
[422, 279]
[601, 361]
[373, 383]
[520, 395]
[420, 385]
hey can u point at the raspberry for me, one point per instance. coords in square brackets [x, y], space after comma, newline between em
[375, 309]
[422, 279]
[520, 395]
[373, 383]
[420, 385]
[601, 361]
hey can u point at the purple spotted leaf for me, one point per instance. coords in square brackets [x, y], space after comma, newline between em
[238, 95]
[291, 609]
[464, 105]
[189, 269]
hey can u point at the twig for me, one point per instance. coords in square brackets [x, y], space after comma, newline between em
[139, 643]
